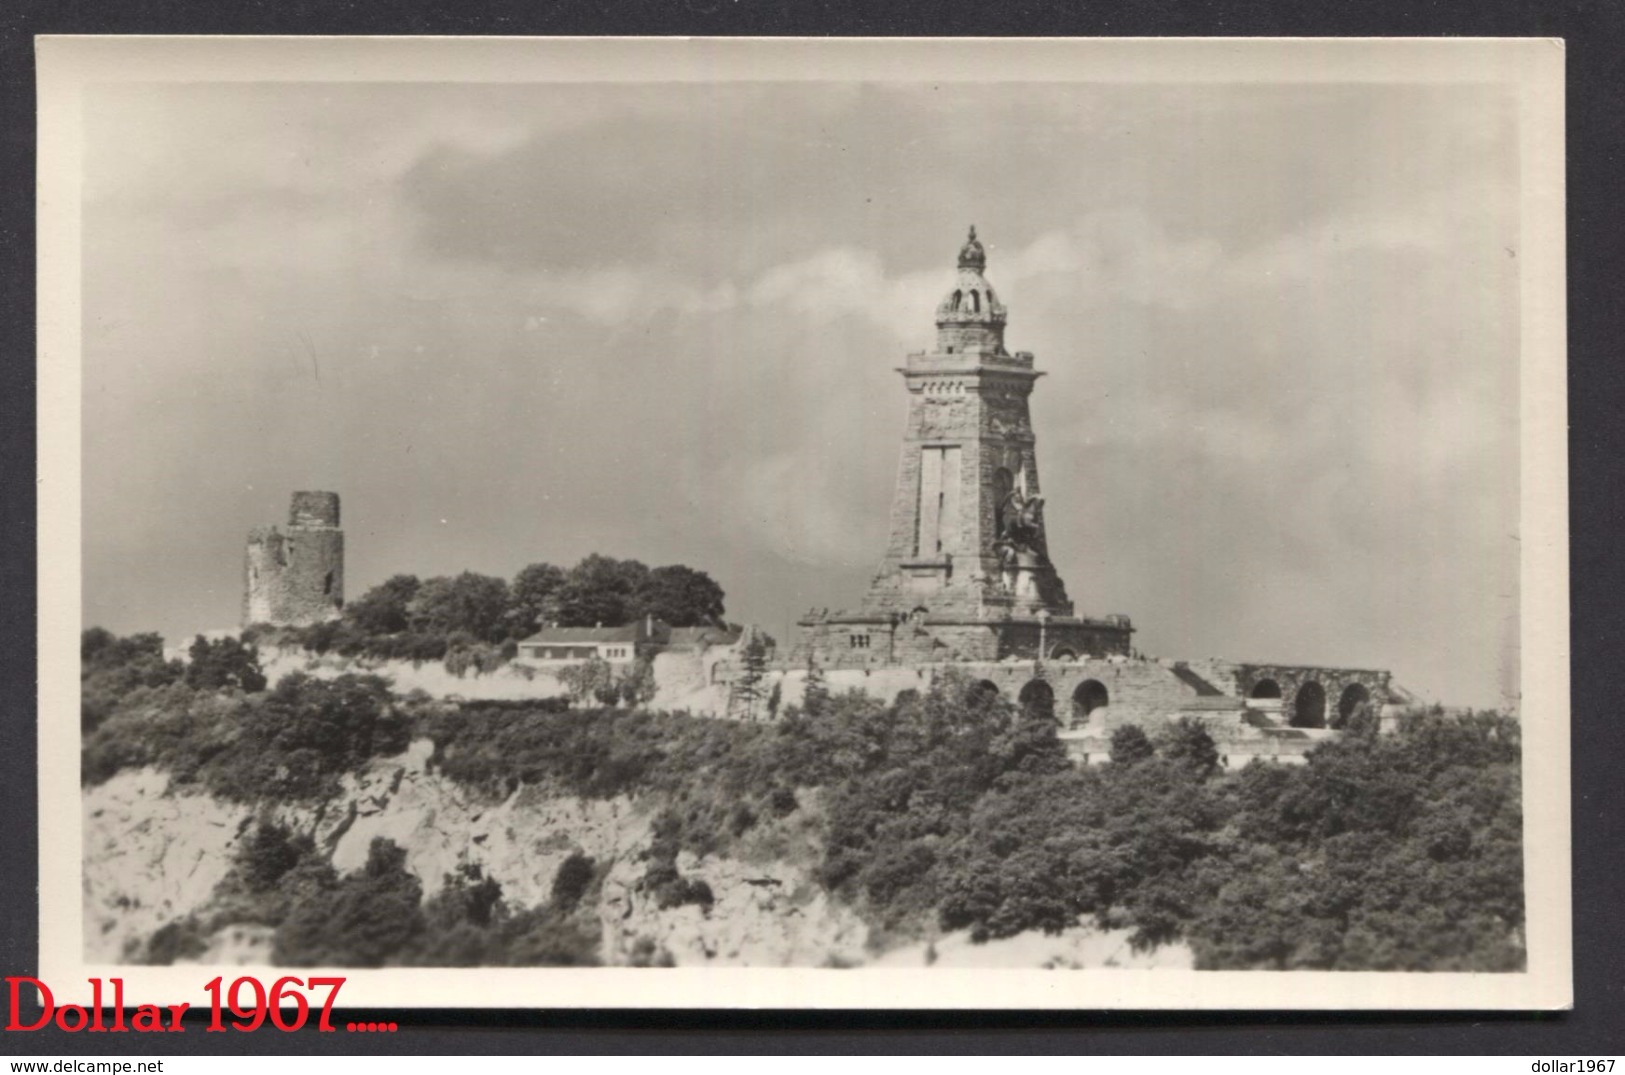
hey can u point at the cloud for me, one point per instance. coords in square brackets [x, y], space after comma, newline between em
[1280, 404]
[618, 296]
[802, 510]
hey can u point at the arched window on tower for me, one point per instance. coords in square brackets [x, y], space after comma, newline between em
[959, 296]
[975, 302]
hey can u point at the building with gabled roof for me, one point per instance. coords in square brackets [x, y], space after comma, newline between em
[624, 644]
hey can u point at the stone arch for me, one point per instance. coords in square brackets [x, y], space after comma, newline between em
[1063, 653]
[1354, 695]
[983, 690]
[1309, 705]
[1265, 688]
[1037, 700]
[1090, 695]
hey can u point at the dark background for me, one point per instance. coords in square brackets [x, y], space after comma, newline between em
[1596, 159]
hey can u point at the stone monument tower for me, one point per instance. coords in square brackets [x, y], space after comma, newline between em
[967, 521]
[967, 563]
[295, 576]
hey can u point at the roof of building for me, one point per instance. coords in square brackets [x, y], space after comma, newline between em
[705, 636]
[647, 629]
[582, 636]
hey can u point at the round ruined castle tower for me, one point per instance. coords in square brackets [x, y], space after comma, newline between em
[295, 576]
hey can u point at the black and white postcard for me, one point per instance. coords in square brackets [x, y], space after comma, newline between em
[791, 523]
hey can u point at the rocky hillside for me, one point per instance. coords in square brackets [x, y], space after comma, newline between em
[155, 855]
[334, 818]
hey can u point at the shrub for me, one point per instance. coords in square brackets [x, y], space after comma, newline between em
[680, 891]
[269, 853]
[111, 668]
[1130, 746]
[290, 742]
[468, 924]
[361, 921]
[181, 939]
[537, 938]
[575, 875]
[1186, 742]
[464, 655]
[306, 732]
[638, 687]
[384, 609]
[782, 802]
[591, 679]
[174, 728]
[225, 664]
[646, 952]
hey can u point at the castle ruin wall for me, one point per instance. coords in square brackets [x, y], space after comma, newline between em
[295, 576]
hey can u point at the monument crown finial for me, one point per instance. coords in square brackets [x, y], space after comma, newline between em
[971, 255]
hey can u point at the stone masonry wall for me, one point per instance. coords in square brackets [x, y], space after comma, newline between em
[314, 509]
[984, 414]
[295, 576]
[1142, 692]
[1242, 679]
[873, 641]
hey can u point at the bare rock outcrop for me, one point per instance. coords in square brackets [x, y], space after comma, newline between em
[150, 857]
[154, 854]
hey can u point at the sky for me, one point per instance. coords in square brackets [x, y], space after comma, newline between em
[517, 323]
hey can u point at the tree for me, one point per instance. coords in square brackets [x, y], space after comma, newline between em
[466, 897]
[681, 597]
[365, 919]
[747, 689]
[815, 695]
[309, 730]
[112, 667]
[385, 609]
[533, 598]
[571, 881]
[1363, 721]
[475, 604]
[269, 852]
[225, 664]
[1187, 742]
[593, 678]
[137, 660]
[1130, 746]
[601, 591]
[638, 685]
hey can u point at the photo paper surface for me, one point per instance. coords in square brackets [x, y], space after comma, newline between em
[819, 524]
